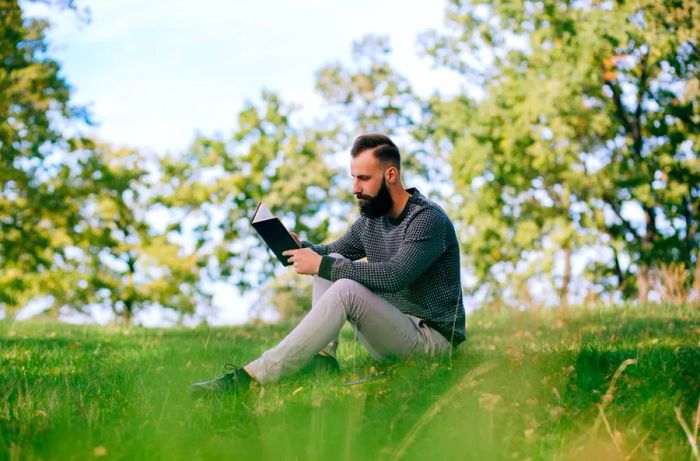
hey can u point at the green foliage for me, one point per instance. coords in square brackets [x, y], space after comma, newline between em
[34, 101]
[218, 183]
[122, 261]
[372, 96]
[73, 215]
[525, 385]
[590, 111]
[288, 295]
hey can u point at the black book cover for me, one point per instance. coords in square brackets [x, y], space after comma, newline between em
[273, 232]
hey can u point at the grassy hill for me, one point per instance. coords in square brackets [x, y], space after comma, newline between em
[585, 384]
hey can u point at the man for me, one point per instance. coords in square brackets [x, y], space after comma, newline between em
[405, 299]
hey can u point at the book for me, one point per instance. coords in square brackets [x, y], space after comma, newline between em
[273, 232]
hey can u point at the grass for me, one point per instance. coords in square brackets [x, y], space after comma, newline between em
[535, 385]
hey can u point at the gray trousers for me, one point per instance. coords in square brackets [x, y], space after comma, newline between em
[383, 329]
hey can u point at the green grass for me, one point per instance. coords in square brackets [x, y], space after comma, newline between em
[524, 386]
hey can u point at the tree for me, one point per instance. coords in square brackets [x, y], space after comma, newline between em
[73, 215]
[34, 106]
[212, 191]
[372, 96]
[589, 121]
[121, 260]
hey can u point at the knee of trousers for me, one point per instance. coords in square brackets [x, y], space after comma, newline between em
[346, 291]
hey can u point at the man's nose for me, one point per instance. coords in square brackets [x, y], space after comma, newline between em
[356, 189]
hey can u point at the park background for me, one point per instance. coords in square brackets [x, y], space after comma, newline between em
[138, 139]
[561, 138]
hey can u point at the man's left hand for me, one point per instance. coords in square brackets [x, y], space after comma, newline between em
[304, 260]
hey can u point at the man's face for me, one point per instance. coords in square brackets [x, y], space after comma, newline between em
[369, 185]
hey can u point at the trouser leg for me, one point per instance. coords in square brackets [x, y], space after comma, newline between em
[320, 285]
[383, 329]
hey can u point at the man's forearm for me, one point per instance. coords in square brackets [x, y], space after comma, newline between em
[320, 248]
[385, 276]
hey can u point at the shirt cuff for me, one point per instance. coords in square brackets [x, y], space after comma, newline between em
[326, 267]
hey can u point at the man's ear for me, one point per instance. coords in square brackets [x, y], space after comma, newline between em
[391, 175]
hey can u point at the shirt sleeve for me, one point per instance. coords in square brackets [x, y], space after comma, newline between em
[423, 243]
[349, 245]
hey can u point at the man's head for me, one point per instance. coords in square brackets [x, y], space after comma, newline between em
[375, 168]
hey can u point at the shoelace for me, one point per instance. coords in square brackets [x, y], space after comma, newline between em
[236, 373]
[231, 375]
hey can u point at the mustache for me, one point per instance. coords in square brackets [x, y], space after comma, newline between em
[363, 197]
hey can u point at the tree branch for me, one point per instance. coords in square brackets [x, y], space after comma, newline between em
[620, 108]
[618, 212]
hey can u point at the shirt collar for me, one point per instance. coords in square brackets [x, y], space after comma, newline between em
[414, 194]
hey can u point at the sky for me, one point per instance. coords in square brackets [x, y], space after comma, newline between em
[154, 73]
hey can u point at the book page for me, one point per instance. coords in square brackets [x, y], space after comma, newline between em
[263, 213]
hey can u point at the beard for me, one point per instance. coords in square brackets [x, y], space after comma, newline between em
[377, 206]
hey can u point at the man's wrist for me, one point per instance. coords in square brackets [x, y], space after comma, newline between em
[318, 266]
[326, 267]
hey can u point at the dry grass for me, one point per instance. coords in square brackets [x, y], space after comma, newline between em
[605, 401]
[675, 283]
[692, 436]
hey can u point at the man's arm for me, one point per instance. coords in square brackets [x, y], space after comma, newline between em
[423, 244]
[349, 245]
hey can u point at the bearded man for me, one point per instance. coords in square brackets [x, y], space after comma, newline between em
[404, 300]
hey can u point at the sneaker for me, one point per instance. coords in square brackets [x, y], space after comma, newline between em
[235, 379]
[324, 363]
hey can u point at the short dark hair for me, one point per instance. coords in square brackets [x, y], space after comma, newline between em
[383, 148]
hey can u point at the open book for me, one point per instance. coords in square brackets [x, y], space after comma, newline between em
[273, 232]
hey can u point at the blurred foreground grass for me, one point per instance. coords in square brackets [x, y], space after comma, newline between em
[533, 385]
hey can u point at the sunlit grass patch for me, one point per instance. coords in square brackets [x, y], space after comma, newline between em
[525, 385]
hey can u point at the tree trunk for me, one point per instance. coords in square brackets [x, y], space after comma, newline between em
[696, 282]
[643, 284]
[566, 280]
[128, 311]
[643, 277]
[129, 301]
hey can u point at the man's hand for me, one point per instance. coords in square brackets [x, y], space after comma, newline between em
[304, 260]
[296, 238]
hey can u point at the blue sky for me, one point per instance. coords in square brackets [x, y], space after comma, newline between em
[154, 73]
